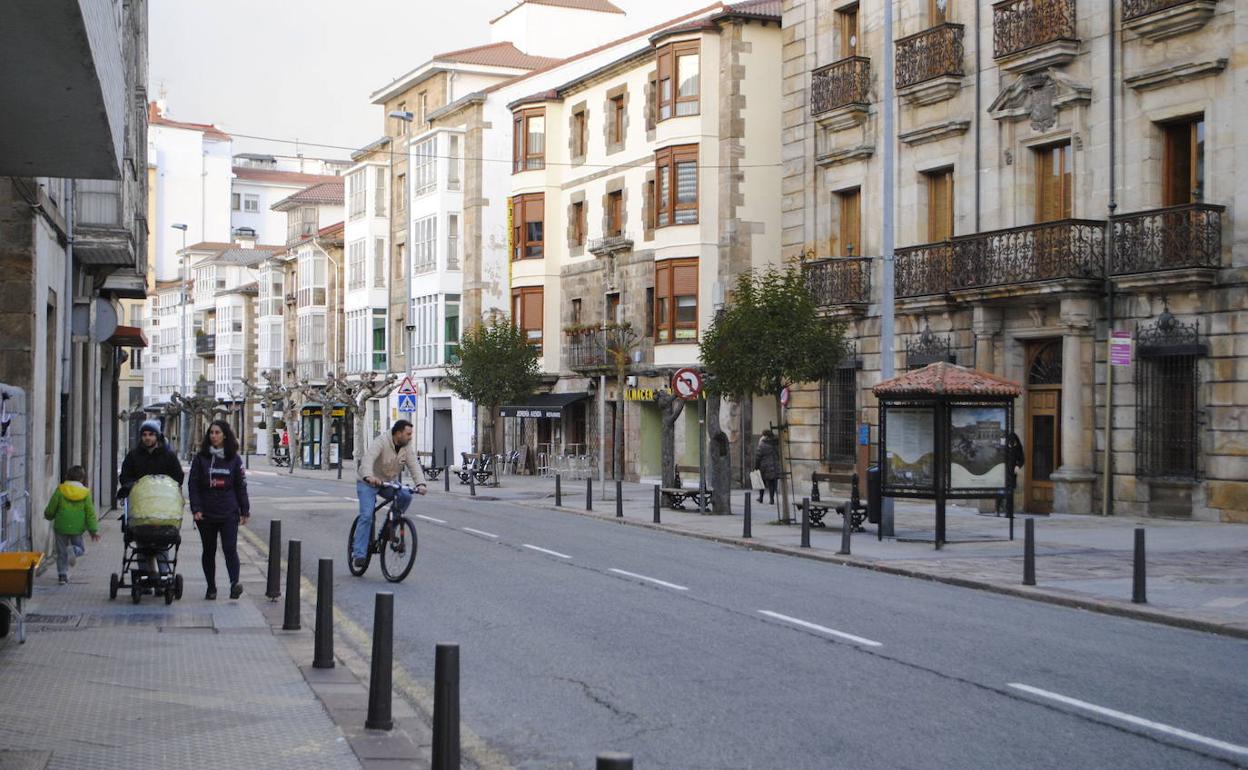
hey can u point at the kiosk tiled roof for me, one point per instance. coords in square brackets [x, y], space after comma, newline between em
[943, 378]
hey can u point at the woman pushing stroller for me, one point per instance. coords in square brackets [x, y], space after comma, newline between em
[218, 492]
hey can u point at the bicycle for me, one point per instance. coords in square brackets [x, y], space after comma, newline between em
[396, 542]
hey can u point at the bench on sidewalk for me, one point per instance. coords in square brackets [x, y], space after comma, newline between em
[676, 497]
[479, 469]
[853, 510]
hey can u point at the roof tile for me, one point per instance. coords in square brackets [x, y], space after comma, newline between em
[943, 378]
[503, 54]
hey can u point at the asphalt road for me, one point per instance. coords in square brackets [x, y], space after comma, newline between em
[580, 635]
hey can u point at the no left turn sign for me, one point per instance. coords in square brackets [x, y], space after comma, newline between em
[687, 383]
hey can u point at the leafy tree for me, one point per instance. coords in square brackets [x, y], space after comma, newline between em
[496, 364]
[768, 336]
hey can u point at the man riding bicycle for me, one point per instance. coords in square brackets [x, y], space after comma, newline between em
[379, 466]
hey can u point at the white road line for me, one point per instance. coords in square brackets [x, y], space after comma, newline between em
[352, 499]
[656, 581]
[317, 492]
[1134, 720]
[429, 518]
[479, 532]
[822, 629]
[547, 551]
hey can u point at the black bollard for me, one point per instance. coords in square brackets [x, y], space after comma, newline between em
[323, 639]
[446, 707]
[294, 555]
[619, 499]
[805, 522]
[745, 530]
[472, 483]
[383, 662]
[657, 496]
[1138, 595]
[589, 494]
[558, 491]
[446, 478]
[274, 588]
[614, 760]
[847, 528]
[1029, 552]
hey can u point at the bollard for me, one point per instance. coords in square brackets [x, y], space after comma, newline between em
[558, 491]
[1138, 578]
[745, 530]
[294, 556]
[323, 639]
[657, 496]
[383, 662]
[614, 760]
[847, 528]
[589, 494]
[340, 469]
[619, 499]
[805, 522]
[472, 483]
[1029, 552]
[274, 588]
[446, 707]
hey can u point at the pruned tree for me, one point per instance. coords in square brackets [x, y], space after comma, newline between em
[354, 395]
[670, 409]
[200, 410]
[619, 341]
[496, 364]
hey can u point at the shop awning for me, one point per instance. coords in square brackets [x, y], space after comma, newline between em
[543, 405]
[127, 337]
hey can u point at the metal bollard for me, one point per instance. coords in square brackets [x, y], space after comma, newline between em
[805, 522]
[619, 499]
[589, 494]
[657, 496]
[558, 491]
[745, 530]
[274, 588]
[1029, 552]
[614, 760]
[847, 528]
[1138, 595]
[446, 707]
[382, 664]
[323, 638]
[294, 557]
[472, 483]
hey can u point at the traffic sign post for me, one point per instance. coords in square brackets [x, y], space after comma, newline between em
[407, 403]
[406, 387]
[687, 383]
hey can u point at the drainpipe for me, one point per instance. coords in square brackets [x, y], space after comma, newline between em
[978, 84]
[1107, 485]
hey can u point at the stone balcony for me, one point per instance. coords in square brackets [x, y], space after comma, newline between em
[839, 285]
[1033, 35]
[1183, 243]
[929, 64]
[1160, 19]
[609, 245]
[840, 92]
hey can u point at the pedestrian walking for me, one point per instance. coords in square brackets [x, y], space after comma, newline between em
[152, 457]
[72, 513]
[767, 463]
[218, 492]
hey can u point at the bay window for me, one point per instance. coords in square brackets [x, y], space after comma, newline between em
[528, 215]
[528, 147]
[678, 84]
[526, 313]
[676, 173]
[676, 301]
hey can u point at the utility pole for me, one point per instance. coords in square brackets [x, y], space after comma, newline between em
[887, 287]
[183, 328]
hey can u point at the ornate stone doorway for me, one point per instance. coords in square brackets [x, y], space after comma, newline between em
[1044, 413]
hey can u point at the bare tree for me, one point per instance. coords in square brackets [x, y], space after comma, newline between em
[620, 341]
[354, 395]
[671, 408]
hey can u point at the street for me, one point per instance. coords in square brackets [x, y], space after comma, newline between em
[579, 636]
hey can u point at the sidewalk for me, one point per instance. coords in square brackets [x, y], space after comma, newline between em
[194, 684]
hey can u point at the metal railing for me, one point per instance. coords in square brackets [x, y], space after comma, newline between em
[839, 84]
[1169, 238]
[1135, 9]
[610, 244]
[839, 281]
[1018, 25]
[930, 54]
[594, 349]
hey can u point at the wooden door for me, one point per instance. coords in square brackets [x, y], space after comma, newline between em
[1043, 424]
[1053, 182]
[848, 18]
[850, 228]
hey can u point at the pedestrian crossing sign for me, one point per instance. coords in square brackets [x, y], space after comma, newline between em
[407, 402]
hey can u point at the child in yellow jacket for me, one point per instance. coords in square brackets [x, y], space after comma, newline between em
[71, 512]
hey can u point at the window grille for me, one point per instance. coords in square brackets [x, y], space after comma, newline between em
[1167, 387]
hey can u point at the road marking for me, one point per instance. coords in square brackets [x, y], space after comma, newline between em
[656, 581]
[317, 492]
[547, 551]
[822, 629]
[1134, 720]
[479, 532]
[429, 518]
[352, 499]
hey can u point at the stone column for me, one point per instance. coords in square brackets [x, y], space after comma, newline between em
[986, 325]
[1073, 480]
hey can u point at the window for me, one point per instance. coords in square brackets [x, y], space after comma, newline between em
[450, 330]
[677, 172]
[452, 241]
[650, 311]
[528, 215]
[937, 12]
[847, 26]
[615, 213]
[422, 108]
[379, 192]
[355, 194]
[580, 134]
[380, 363]
[839, 416]
[312, 277]
[676, 300]
[311, 346]
[401, 126]
[612, 310]
[677, 84]
[425, 331]
[526, 312]
[425, 245]
[379, 262]
[1167, 432]
[401, 181]
[1053, 182]
[1184, 160]
[580, 221]
[235, 202]
[251, 203]
[425, 167]
[576, 310]
[301, 223]
[939, 205]
[355, 265]
[136, 359]
[452, 164]
[849, 212]
[650, 202]
[529, 140]
[616, 133]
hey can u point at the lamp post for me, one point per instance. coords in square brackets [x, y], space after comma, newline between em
[888, 289]
[184, 424]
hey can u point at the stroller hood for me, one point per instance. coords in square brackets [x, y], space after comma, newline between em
[156, 501]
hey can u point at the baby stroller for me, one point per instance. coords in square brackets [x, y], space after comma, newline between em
[150, 524]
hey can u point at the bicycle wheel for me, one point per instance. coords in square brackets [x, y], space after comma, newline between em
[368, 556]
[398, 553]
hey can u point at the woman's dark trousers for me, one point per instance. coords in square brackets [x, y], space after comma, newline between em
[228, 532]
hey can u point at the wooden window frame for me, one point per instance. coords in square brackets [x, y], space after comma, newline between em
[669, 277]
[520, 303]
[1171, 130]
[935, 16]
[1043, 161]
[933, 180]
[520, 208]
[615, 213]
[666, 60]
[850, 34]
[522, 158]
[618, 112]
[579, 223]
[668, 160]
[580, 133]
[849, 238]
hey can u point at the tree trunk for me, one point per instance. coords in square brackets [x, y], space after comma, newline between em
[747, 439]
[671, 408]
[487, 431]
[781, 440]
[327, 431]
[617, 462]
[719, 458]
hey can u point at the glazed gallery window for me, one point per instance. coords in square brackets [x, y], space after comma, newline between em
[676, 301]
[355, 265]
[356, 194]
[425, 167]
[678, 85]
[425, 244]
[676, 172]
[528, 144]
[526, 312]
[528, 220]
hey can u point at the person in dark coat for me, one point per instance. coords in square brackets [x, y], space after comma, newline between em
[767, 463]
[152, 457]
[218, 492]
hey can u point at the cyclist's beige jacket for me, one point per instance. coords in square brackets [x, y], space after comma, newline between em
[382, 462]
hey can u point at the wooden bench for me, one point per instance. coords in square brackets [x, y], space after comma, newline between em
[852, 510]
[676, 497]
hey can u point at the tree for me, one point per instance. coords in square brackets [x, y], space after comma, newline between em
[619, 341]
[354, 395]
[496, 364]
[768, 336]
[670, 408]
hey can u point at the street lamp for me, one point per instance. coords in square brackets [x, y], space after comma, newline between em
[184, 428]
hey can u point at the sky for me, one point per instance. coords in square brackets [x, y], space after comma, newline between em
[298, 69]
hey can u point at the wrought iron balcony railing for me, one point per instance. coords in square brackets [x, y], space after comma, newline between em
[611, 244]
[923, 270]
[206, 345]
[840, 84]
[842, 281]
[1018, 25]
[1135, 9]
[930, 54]
[1171, 238]
[596, 349]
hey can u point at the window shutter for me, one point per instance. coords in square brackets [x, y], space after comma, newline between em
[685, 280]
[532, 309]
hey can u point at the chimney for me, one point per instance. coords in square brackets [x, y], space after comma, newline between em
[245, 237]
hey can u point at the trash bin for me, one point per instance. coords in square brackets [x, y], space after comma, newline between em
[874, 501]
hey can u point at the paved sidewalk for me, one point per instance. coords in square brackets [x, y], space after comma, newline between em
[198, 683]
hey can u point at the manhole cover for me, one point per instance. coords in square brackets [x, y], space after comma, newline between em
[164, 619]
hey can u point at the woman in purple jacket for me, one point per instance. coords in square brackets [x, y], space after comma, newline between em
[218, 491]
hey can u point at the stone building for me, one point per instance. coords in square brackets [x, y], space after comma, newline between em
[1064, 169]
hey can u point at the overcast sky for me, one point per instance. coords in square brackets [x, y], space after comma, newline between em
[298, 69]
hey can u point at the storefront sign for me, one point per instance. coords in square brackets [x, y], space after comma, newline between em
[639, 394]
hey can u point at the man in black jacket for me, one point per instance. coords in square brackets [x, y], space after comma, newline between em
[152, 457]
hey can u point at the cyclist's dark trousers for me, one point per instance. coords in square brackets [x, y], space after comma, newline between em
[368, 500]
[227, 530]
